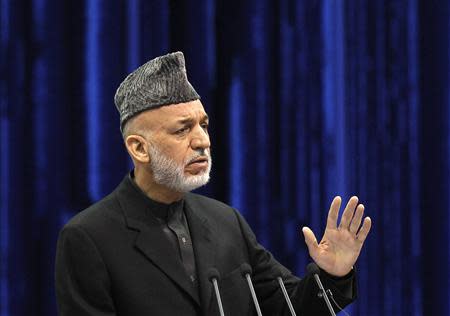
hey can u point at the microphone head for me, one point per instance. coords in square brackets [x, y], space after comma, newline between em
[213, 273]
[312, 268]
[246, 269]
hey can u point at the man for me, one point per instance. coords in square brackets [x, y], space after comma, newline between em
[150, 246]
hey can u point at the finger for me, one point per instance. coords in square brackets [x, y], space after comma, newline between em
[310, 240]
[333, 212]
[356, 221]
[364, 231]
[348, 213]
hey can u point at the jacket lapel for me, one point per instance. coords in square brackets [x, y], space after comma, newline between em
[204, 243]
[151, 240]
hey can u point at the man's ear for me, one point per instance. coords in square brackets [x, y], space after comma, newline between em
[137, 147]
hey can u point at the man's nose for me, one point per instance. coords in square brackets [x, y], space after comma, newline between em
[200, 140]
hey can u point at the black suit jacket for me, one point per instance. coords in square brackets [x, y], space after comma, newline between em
[113, 259]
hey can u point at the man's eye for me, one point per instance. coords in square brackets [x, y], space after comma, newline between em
[181, 130]
[205, 126]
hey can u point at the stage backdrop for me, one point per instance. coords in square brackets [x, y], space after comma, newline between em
[307, 99]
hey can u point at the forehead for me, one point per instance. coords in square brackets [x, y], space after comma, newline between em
[191, 109]
[171, 114]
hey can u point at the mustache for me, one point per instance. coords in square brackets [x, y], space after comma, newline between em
[200, 153]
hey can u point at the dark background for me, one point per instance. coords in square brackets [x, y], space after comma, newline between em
[307, 99]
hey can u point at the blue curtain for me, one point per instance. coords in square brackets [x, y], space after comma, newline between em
[307, 99]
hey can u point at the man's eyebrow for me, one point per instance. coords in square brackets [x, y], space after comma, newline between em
[184, 121]
[190, 120]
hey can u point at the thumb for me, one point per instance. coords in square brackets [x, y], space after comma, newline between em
[310, 240]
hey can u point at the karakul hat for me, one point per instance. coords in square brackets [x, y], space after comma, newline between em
[160, 81]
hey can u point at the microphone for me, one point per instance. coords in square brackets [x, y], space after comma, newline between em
[246, 271]
[214, 276]
[313, 269]
[286, 296]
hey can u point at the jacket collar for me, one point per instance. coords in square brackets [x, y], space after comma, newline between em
[152, 242]
[202, 234]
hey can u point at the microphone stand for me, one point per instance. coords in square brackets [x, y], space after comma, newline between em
[252, 290]
[286, 296]
[219, 301]
[324, 294]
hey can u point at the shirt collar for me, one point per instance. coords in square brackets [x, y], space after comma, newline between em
[160, 210]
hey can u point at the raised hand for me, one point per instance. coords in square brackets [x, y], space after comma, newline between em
[340, 246]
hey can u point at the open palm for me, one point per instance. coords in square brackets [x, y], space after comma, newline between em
[340, 246]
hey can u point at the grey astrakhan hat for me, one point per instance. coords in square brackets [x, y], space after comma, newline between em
[160, 81]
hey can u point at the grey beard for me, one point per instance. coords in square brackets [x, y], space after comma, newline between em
[171, 175]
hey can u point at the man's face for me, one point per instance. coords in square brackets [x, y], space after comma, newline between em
[179, 145]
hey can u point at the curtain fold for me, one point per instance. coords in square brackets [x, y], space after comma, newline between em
[307, 100]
